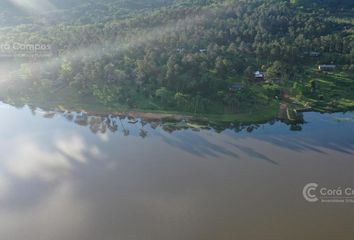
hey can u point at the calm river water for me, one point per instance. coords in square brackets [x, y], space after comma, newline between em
[64, 177]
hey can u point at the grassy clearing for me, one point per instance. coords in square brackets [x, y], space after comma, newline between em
[334, 91]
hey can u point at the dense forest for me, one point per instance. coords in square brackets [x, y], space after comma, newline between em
[189, 55]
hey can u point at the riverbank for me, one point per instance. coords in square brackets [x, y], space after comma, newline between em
[332, 93]
[259, 114]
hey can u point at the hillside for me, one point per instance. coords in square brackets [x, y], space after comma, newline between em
[185, 55]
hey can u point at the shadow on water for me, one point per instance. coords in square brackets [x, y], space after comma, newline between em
[254, 154]
[295, 134]
[328, 139]
[197, 145]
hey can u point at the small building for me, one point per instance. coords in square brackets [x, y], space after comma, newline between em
[259, 76]
[203, 50]
[327, 67]
[236, 87]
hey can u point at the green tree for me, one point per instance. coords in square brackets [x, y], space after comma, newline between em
[164, 95]
[181, 100]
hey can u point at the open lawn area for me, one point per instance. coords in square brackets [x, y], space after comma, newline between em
[333, 92]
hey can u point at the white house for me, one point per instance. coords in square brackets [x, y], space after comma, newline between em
[259, 75]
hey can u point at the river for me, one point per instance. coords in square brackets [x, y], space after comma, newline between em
[89, 178]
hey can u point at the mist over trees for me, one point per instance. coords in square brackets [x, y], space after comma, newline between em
[182, 53]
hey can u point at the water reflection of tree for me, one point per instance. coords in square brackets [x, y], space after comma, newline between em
[125, 131]
[33, 109]
[68, 116]
[49, 114]
[104, 123]
[81, 119]
[143, 133]
[97, 124]
[112, 125]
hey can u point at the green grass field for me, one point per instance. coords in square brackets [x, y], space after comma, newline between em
[334, 91]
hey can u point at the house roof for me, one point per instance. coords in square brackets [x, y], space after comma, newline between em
[258, 74]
